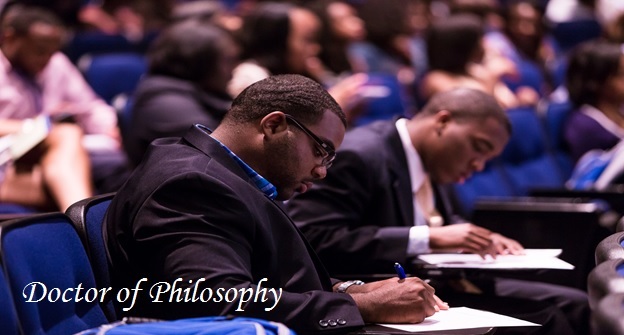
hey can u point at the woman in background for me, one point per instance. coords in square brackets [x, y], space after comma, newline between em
[595, 82]
[457, 58]
[190, 65]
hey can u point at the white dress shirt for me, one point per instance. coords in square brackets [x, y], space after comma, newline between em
[419, 234]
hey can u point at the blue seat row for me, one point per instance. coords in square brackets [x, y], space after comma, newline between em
[54, 279]
[45, 263]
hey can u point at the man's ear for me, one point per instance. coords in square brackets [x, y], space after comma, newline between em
[273, 124]
[442, 119]
[7, 34]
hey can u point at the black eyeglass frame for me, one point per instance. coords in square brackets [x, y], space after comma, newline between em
[328, 153]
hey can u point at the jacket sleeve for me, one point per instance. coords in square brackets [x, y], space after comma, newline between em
[212, 235]
[337, 216]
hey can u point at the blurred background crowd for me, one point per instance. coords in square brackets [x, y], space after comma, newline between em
[115, 75]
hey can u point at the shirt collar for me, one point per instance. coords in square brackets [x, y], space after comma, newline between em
[603, 120]
[261, 183]
[414, 163]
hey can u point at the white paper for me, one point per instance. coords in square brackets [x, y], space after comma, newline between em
[533, 259]
[461, 318]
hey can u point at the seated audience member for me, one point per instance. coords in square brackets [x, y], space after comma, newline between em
[390, 46]
[610, 14]
[282, 38]
[51, 176]
[277, 38]
[377, 207]
[190, 64]
[131, 18]
[340, 27]
[525, 42]
[457, 58]
[37, 79]
[595, 83]
[203, 208]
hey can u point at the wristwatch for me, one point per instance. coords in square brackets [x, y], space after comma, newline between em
[342, 288]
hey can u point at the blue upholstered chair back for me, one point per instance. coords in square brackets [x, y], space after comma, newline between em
[46, 248]
[93, 42]
[529, 74]
[88, 217]
[569, 34]
[113, 73]
[8, 316]
[384, 99]
[491, 182]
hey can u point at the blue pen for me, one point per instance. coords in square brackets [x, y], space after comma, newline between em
[399, 270]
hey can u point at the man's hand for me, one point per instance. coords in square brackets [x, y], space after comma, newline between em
[506, 246]
[395, 300]
[463, 236]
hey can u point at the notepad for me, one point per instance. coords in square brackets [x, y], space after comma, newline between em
[462, 318]
[533, 259]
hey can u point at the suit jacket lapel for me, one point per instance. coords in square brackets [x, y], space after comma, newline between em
[401, 183]
[200, 140]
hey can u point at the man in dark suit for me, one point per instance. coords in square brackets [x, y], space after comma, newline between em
[369, 211]
[201, 208]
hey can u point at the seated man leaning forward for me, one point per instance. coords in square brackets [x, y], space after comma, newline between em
[197, 229]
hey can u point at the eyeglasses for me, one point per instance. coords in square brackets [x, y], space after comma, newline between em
[326, 151]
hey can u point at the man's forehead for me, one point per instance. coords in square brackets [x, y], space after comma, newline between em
[46, 30]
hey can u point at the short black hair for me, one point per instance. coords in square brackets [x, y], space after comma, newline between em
[466, 104]
[20, 18]
[299, 96]
[189, 50]
[591, 64]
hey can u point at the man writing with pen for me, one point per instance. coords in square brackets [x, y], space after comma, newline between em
[377, 206]
[204, 206]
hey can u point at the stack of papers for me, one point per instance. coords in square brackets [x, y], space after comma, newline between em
[461, 318]
[532, 259]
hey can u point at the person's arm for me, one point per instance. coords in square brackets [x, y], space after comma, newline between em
[201, 237]
[74, 96]
[214, 235]
[341, 216]
[408, 300]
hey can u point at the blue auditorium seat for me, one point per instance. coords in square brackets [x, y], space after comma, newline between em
[554, 119]
[491, 182]
[46, 248]
[88, 217]
[94, 42]
[8, 316]
[569, 34]
[112, 74]
[529, 74]
[384, 99]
